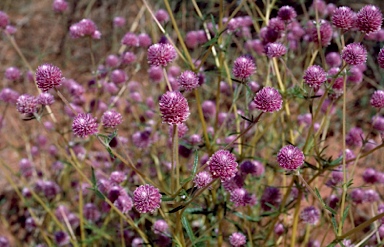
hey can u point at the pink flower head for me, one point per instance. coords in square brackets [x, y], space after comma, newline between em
[130, 40]
[275, 50]
[59, 6]
[111, 119]
[162, 15]
[4, 20]
[45, 99]
[343, 18]
[26, 104]
[290, 157]
[155, 73]
[161, 54]
[84, 125]
[310, 215]
[377, 99]
[12, 74]
[144, 40]
[147, 198]
[354, 54]
[355, 137]
[241, 197]
[123, 203]
[237, 239]
[112, 61]
[8, 95]
[119, 21]
[252, 167]
[287, 13]
[85, 27]
[188, 80]
[270, 199]
[223, 165]
[48, 76]
[128, 58]
[118, 76]
[333, 59]
[160, 227]
[380, 58]
[268, 99]
[244, 67]
[174, 108]
[369, 19]
[202, 179]
[325, 31]
[314, 76]
[191, 39]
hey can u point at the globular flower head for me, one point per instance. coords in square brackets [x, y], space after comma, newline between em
[12, 74]
[268, 99]
[128, 58]
[380, 58]
[59, 6]
[162, 15]
[369, 19]
[237, 239]
[174, 108]
[26, 104]
[188, 80]
[61, 238]
[314, 76]
[118, 76]
[275, 50]
[130, 40]
[253, 167]
[371, 196]
[276, 24]
[91, 212]
[355, 137]
[147, 198]
[84, 125]
[310, 215]
[287, 13]
[161, 54]
[333, 59]
[202, 179]
[343, 18]
[85, 27]
[4, 20]
[377, 99]
[144, 40]
[370, 176]
[160, 227]
[48, 76]
[290, 157]
[354, 54]
[325, 31]
[223, 165]
[270, 199]
[111, 119]
[378, 123]
[8, 95]
[123, 203]
[243, 67]
[241, 197]
[45, 99]
[118, 21]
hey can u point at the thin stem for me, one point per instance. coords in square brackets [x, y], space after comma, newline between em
[202, 120]
[296, 219]
[166, 79]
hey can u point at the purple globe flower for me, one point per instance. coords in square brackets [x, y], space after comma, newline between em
[26, 104]
[160, 227]
[237, 239]
[325, 31]
[241, 197]
[84, 125]
[270, 199]
[12, 74]
[244, 67]
[223, 165]
[268, 99]
[85, 27]
[8, 95]
[188, 80]
[123, 203]
[144, 40]
[45, 99]
[4, 20]
[130, 40]
[377, 99]
[202, 179]
[343, 18]
[369, 19]
[147, 198]
[119, 21]
[174, 108]
[162, 15]
[275, 50]
[333, 59]
[59, 6]
[48, 76]
[111, 119]
[380, 58]
[287, 13]
[314, 76]
[354, 54]
[310, 215]
[290, 157]
[161, 54]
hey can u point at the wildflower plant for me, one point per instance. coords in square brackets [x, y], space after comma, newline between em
[192, 124]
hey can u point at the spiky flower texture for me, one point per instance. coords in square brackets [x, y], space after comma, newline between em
[147, 198]
[48, 76]
[223, 165]
[174, 108]
[84, 125]
[290, 157]
[268, 99]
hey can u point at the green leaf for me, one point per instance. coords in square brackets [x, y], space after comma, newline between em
[195, 162]
[176, 209]
[334, 223]
[188, 228]
[345, 214]
[93, 178]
